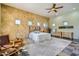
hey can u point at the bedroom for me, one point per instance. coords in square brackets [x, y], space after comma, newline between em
[32, 24]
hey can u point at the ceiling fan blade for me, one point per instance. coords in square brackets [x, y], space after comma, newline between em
[59, 7]
[54, 5]
[55, 10]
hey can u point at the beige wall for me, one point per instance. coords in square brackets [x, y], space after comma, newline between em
[0, 19]
[10, 14]
[72, 18]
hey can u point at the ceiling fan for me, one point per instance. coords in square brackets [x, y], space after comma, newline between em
[54, 8]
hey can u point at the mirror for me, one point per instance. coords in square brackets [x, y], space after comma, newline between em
[65, 23]
[45, 25]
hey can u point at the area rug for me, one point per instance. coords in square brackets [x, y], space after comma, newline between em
[71, 50]
[47, 48]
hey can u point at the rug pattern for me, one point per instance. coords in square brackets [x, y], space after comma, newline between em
[71, 50]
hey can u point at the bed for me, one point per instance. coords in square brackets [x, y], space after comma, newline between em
[38, 36]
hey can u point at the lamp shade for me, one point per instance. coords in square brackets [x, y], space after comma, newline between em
[45, 25]
[30, 23]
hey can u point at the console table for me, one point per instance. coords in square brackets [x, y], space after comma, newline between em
[65, 35]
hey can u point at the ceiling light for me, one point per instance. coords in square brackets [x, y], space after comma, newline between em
[65, 23]
[29, 23]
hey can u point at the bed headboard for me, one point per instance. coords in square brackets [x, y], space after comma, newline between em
[37, 28]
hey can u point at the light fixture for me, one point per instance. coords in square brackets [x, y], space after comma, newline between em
[54, 30]
[38, 24]
[30, 23]
[45, 25]
[65, 23]
[53, 25]
[74, 8]
[17, 22]
[56, 14]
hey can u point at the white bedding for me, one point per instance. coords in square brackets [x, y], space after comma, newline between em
[39, 36]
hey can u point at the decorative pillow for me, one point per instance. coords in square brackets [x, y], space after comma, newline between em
[36, 31]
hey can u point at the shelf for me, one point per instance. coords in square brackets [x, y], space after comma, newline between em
[66, 27]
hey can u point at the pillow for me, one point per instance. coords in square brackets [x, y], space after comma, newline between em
[36, 31]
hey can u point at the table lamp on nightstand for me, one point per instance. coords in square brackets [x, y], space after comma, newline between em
[29, 24]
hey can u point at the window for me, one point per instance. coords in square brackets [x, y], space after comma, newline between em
[17, 22]
[30, 23]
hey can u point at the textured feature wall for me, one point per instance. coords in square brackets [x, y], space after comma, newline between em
[0, 19]
[10, 14]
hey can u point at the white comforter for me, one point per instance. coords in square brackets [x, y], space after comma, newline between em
[39, 36]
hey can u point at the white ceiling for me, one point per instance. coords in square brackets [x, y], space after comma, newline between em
[40, 8]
